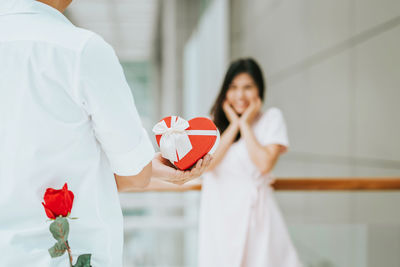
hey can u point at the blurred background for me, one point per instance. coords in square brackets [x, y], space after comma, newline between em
[332, 67]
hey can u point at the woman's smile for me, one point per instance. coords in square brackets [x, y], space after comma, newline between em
[241, 92]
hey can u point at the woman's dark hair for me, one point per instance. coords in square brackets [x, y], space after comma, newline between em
[245, 65]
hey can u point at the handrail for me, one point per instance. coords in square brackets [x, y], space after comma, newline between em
[305, 184]
[339, 184]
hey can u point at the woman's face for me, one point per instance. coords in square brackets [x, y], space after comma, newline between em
[241, 92]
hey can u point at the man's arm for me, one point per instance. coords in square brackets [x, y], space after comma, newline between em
[130, 183]
[162, 170]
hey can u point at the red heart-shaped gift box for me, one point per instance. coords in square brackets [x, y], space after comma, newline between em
[203, 136]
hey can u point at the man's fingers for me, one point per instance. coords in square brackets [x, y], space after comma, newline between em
[209, 158]
[195, 168]
[181, 177]
[201, 166]
[196, 171]
[206, 163]
[199, 163]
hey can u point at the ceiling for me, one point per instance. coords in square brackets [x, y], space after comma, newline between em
[128, 25]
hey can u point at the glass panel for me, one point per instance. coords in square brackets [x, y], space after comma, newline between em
[138, 76]
[160, 229]
[329, 229]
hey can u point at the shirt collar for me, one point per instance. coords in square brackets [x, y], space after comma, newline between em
[8, 7]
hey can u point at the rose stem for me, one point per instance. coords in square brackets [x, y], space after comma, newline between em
[69, 253]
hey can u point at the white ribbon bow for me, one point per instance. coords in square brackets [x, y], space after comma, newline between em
[174, 140]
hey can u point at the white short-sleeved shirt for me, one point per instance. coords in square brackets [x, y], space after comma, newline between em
[66, 115]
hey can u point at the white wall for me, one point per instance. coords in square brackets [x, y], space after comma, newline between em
[333, 68]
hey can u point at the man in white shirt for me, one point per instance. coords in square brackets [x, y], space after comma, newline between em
[66, 116]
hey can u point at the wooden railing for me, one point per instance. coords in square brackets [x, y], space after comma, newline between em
[305, 184]
[338, 184]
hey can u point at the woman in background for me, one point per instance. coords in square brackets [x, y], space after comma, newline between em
[240, 223]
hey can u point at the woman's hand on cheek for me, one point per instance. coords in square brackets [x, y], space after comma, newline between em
[230, 113]
[251, 112]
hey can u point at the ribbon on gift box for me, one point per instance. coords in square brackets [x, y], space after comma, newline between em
[175, 140]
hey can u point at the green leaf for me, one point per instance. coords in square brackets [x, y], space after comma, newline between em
[83, 261]
[60, 229]
[58, 249]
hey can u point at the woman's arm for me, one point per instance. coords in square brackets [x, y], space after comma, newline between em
[225, 142]
[227, 138]
[264, 157]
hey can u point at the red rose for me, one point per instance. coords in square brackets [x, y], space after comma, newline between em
[58, 202]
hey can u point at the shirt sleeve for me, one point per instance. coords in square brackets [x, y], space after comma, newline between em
[274, 129]
[108, 100]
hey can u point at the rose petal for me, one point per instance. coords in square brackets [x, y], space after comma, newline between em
[49, 213]
[59, 201]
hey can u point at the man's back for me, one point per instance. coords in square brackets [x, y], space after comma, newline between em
[57, 122]
[38, 105]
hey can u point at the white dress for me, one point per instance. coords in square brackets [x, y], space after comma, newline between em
[240, 222]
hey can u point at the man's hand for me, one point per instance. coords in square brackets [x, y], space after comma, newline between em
[164, 170]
